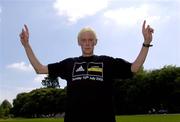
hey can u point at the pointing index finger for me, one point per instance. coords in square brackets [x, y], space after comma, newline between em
[26, 28]
[144, 24]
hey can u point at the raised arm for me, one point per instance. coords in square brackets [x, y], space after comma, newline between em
[38, 67]
[147, 34]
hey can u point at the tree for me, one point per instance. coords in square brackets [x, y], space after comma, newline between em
[159, 89]
[5, 108]
[153, 89]
[50, 82]
[19, 104]
[1, 112]
[43, 102]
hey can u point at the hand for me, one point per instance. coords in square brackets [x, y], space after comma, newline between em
[24, 36]
[147, 33]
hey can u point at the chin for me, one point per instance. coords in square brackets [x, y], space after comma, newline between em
[88, 53]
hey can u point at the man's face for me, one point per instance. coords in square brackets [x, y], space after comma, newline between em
[87, 41]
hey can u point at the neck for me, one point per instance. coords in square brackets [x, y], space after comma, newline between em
[87, 55]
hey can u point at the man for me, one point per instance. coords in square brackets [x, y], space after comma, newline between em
[89, 77]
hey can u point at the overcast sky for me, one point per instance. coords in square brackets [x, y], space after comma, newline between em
[54, 24]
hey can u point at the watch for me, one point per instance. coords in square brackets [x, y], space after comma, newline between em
[147, 45]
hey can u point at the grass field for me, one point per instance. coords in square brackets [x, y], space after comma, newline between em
[129, 118]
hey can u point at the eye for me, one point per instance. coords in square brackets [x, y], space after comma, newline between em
[83, 40]
[91, 40]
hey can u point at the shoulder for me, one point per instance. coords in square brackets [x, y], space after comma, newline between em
[67, 59]
[62, 62]
[71, 59]
[108, 58]
[111, 59]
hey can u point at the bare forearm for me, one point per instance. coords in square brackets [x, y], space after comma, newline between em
[39, 68]
[137, 64]
[24, 38]
[147, 34]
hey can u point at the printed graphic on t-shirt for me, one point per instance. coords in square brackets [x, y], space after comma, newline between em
[87, 71]
[80, 69]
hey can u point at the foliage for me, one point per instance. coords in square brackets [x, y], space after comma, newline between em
[50, 82]
[157, 90]
[44, 102]
[5, 108]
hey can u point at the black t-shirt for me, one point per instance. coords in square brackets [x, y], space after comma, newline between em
[89, 86]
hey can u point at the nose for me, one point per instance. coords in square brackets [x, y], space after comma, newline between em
[87, 43]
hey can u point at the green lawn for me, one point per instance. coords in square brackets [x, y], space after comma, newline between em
[149, 118]
[133, 118]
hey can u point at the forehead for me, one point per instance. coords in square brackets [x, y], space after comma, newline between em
[87, 34]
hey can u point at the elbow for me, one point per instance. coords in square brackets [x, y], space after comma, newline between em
[135, 69]
[41, 70]
[38, 71]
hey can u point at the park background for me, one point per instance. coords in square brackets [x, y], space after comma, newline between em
[54, 24]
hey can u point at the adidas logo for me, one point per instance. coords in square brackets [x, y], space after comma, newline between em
[80, 69]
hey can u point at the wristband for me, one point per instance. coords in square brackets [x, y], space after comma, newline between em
[147, 45]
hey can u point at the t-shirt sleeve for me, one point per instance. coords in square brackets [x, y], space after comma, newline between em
[120, 69]
[58, 69]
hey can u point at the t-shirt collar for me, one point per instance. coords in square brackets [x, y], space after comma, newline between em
[87, 57]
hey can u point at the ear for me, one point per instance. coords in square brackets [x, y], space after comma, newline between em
[79, 42]
[95, 42]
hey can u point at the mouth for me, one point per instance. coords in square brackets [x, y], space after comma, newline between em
[87, 48]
